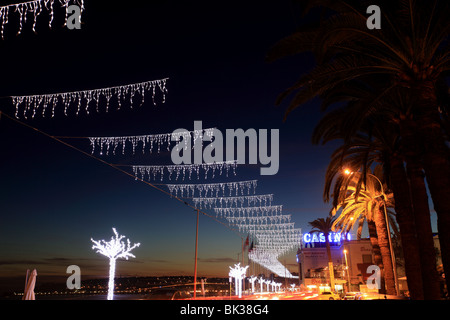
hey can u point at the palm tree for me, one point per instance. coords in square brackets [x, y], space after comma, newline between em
[345, 223]
[370, 202]
[325, 226]
[409, 52]
[383, 146]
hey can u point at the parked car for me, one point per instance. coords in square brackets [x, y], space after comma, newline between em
[168, 294]
[328, 295]
[351, 296]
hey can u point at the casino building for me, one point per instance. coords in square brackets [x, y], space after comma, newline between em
[351, 258]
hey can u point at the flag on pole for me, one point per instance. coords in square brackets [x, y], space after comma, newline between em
[246, 243]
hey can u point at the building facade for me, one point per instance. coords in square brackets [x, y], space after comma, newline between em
[351, 259]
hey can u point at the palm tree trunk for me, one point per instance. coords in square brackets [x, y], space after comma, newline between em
[439, 186]
[383, 242]
[330, 262]
[436, 164]
[430, 277]
[376, 251]
[406, 223]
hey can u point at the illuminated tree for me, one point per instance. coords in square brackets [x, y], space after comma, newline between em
[114, 249]
[252, 281]
[238, 273]
[267, 282]
[261, 283]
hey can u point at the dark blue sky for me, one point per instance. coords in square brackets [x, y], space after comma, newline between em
[54, 199]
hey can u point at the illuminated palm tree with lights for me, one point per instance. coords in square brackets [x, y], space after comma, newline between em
[369, 202]
[325, 226]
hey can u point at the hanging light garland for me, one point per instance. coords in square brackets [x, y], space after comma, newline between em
[35, 7]
[248, 211]
[184, 170]
[255, 200]
[213, 189]
[269, 259]
[149, 141]
[32, 103]
[245, 222]
[273, 234]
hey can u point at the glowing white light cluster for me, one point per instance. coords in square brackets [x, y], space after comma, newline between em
[114, 249]
[213, 189]
[273, 234]
[255, 200]
[268, 258]
[184, 170]
[35, 7]
[105, 144]
[238, 273]
[32, 103]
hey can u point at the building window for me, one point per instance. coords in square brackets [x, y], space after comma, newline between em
[367, 258]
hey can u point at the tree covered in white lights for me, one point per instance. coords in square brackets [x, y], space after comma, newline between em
[114, 249]
[238, 273]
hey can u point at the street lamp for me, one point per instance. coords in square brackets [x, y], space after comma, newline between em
[394, 265]
[347, 269]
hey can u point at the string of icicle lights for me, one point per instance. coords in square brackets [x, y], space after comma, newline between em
[105, 145]
[34, 8]
[272, 233]
[254, 200]
[185, 171]
[213, 189]
[248, 211]
[32, 104]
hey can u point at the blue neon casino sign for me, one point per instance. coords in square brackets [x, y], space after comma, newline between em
[333, 237]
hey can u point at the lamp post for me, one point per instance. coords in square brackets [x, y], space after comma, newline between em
[394, 265]
[195, 263]
[347, 269]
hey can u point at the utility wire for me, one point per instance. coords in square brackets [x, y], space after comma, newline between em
[115, 167]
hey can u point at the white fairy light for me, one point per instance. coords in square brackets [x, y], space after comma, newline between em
[185, 170]
[148, 141]
[213, 189]
[32, 103]
[114, 249]
[238, 273]
[35, 7]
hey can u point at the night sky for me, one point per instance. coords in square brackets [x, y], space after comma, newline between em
[54, 199]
